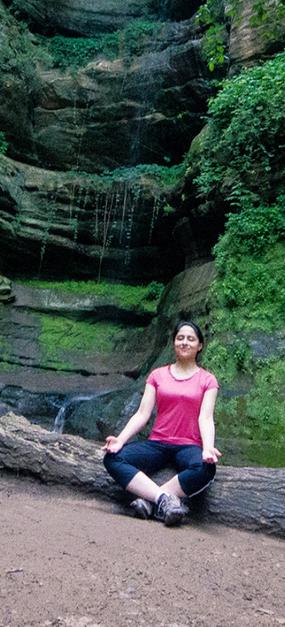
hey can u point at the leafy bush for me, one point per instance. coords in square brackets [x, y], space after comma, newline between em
[242, 166]
[251, 232]
[213, 16]
[154, 291]
[78, 51]
[246, 137]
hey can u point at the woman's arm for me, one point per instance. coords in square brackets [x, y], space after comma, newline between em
[207, 427]
[136, 422]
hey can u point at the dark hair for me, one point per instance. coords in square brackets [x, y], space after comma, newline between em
[189, 323]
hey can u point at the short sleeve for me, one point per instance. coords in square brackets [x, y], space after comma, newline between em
[151, 379]
[211, 382]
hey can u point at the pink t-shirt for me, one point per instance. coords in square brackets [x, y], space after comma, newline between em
[178, 405]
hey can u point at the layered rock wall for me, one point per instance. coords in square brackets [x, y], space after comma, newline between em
[140, 107]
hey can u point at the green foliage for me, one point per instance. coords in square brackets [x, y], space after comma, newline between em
[154, 291]
[3, 144]
[166, 177]
[19, 51]
[266, 404]
[251, 232]
[258, 415]
[137, 34]
[245, 136]
[249, 293]
[78, 51]
[160, 177]
[241, 152]
[214, 15]
[228, 360]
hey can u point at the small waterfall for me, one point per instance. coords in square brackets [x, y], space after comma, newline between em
[60, 417]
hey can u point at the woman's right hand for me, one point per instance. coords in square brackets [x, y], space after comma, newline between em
[113, 444]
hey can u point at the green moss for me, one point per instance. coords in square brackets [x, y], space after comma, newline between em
[249, 293]
[259, 414]
[164, 177]
[60, 336]
[78, 51]
[6, 367]
[248, 298]
[228, 359]
[140, 297]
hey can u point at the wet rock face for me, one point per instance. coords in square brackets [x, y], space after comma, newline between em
[83, 17]
[46, 360]
[114, 114]
[88, 17]
[106, 114]
[110, 113]
[71, 226]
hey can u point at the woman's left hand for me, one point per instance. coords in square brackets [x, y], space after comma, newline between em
[211, 455]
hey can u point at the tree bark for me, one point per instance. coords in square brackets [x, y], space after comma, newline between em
[251, 498]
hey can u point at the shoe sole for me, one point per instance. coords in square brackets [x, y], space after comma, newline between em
[141, 512]
[173, 518]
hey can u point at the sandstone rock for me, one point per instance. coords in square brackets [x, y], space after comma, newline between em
[51, 352]
[84, 226]
[109, 113]
[119, 113]
[86, 17]
[82, 17]
[185, 296]
[249, 43]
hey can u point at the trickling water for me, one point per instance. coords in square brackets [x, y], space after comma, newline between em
[126, 189]
[154, 217]
[128, 232]
[60, 417]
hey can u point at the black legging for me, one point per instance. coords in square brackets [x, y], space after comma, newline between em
[194, 475]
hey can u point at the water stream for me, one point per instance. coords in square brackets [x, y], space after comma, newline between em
[61, 415]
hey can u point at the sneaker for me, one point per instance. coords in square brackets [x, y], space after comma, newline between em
[143, 508]
[169, 509]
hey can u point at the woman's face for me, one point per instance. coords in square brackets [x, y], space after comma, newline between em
[186, 343]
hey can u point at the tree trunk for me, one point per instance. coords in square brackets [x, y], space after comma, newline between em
[251, 498]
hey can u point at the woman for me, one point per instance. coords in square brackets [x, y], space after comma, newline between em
[182, 435]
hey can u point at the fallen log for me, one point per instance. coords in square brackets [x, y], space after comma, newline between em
[248, 498]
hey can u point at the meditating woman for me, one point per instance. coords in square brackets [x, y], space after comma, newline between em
[182, 435]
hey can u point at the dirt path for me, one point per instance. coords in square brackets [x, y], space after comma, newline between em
[69, 560]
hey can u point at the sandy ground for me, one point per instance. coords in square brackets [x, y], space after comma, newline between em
[68, 559]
